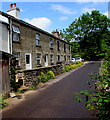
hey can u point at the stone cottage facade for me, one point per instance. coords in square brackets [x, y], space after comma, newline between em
[34, 47]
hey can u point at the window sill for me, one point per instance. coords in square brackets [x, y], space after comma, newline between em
[38, 45]
[17, 42]
[39, 65]
[51, 48]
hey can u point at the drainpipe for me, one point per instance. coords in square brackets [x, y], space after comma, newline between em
[10, 34]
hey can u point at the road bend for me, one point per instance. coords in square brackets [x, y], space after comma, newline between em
[56, 100]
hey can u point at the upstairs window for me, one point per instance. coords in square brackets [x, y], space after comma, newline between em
[51, 43]
[58, 46]
[65, 57]
[51, 58]
[37, 39]
[16, 33]
[69, 48]
[38, 58]
[64, 47]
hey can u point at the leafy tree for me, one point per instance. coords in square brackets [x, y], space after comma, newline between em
[91, 33]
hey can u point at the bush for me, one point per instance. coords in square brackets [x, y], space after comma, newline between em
[50, 75]
[99, 99]
[67, 68]
[71, 66]
[3, 103]
[42, 77]
[45, 77]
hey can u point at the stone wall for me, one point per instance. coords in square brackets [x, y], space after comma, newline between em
[29, 77]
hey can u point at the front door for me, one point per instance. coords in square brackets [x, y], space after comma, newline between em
[46, 60]
[28, 60]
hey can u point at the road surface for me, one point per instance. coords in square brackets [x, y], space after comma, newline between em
[56, 100]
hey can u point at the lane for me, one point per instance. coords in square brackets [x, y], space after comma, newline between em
[56, 101]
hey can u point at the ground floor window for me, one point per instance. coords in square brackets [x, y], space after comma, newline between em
[51, 58]
[38, 59]
[17, 56]
[65, 57]
[58, 57]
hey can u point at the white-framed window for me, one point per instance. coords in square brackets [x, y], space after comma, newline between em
[38, 59]
[17, 56]
[51, 58]
[16, 33]
[38, 39]
[51, 43]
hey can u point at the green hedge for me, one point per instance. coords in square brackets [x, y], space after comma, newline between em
[72, 66]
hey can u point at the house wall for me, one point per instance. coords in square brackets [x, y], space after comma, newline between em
[27, 44]
[4, 38]
[6, 62]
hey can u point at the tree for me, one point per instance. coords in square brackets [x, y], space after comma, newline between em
[90, 31]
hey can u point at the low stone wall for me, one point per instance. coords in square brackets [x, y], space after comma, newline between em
[29, 77]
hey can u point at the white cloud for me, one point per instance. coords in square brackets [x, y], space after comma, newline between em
[42, 22]
[62, 9]
[84, 10]
[106, 13]
[63, 18]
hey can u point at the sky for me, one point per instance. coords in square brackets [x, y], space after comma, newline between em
[54, 15]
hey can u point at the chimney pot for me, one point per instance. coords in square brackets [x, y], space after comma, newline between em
[14, 4]
[11, 5]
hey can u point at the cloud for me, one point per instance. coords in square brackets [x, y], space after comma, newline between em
[63, 18]
[62, 9]
[42, 22]
[106, 13]
[84, 10]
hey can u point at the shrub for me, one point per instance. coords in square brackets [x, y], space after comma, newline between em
[99, 99]
[67, 68]
[45, 77]
[42, 77]
[50, 75]
[3, 103]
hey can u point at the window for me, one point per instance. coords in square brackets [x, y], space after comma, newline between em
[27, 59]
[38, 58]
[38, 39]
[65, 57]
[69, 48]
[51, 58]
[16, 33]
[68, 57]
[51, 43]
[64, 47]
[58, 47]
[58, 57]
[17, 56]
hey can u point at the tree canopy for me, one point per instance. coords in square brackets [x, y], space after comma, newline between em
[91, 35]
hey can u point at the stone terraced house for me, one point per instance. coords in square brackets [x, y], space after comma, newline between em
[33, 47]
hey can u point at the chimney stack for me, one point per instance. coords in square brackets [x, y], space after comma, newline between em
[14, 5]
[11, 5]
[57, 34]
[14, 11]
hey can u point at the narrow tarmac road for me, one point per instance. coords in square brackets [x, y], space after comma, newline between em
[56, 100]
